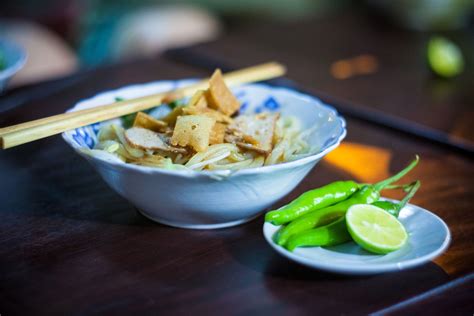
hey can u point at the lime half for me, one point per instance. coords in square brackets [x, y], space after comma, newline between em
[374, 229]
[445, 57]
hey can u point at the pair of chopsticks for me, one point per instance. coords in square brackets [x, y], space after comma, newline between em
[23, 133]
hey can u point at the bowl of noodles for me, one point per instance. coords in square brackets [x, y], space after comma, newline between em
[217, 159]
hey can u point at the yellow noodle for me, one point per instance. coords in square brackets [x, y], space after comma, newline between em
[110, 146]
[201, 165]
[106, 132]
[289, 144]
[257, 162]
[199, 157]
[236, 156]
[231, 165]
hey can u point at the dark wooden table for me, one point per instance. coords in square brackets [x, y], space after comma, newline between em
[70, 245]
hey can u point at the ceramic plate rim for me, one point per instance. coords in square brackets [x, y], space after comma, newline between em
[366, 268]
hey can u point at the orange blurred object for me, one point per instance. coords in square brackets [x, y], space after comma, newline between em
[365, 64]
[360, 65]
[363, 162]
[342, 69]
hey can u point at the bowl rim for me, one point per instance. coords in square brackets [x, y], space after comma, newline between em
[217, 173]
[18, 64]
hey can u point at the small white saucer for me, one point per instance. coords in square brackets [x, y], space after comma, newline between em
[428, 237]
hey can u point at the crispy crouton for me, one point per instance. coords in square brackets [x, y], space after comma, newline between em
[149, 122]
[239, 141]
[217, 134]
[219, 96]
[218, 116]
[193, 131]
[145, 139]
[198, 100]
[170, 119]
[256, 131]
[172, 97]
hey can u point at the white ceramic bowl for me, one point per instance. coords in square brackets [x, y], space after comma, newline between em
[213, 199]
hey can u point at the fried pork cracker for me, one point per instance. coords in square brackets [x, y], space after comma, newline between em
[254, 132]
[217, 134]
[193, 131]
[198, 100]
[145, 139]
[144, 120]
[218, 116]
[171, 117]
[219, 97]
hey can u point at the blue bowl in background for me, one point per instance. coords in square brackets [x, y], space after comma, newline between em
[13, 58]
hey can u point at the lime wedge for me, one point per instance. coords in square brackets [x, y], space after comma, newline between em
[374, 229]
[445, 57]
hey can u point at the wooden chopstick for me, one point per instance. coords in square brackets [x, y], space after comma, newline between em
[30, 131]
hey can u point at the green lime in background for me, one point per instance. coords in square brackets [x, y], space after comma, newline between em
[444, 57]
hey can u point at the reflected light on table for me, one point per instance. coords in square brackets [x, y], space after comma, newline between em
[363, 162]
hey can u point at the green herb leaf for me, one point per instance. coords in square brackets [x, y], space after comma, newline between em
[174, 104]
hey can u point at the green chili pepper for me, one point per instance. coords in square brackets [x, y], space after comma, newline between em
[395, 208]
[332, 234]
[313, 200]
[316, 199]
[336, 233]
[366, 195]
[387, 182]
[326, 215]
[319, 198]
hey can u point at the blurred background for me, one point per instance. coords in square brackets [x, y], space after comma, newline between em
[62, 36]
